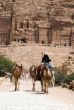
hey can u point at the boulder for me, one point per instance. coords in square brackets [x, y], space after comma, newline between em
[71, 85]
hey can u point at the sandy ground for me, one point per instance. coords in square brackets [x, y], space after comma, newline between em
[30, 54]
[57, 99]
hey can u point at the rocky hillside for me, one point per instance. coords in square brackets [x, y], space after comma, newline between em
[29, 54]
[42, 10]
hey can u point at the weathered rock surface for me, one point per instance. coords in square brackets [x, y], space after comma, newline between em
[29, 54]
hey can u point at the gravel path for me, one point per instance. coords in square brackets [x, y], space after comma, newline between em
[57, 99]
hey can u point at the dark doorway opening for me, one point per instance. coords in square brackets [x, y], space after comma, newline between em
[13, 0]
[23, 40]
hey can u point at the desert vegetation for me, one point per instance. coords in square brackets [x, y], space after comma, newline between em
[6, 65]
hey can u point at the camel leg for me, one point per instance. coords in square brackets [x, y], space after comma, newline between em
[15, 84]
[53, 82]
[11, 77]
[33, 81]
[47, 85]
[42, 85]
[18, 83]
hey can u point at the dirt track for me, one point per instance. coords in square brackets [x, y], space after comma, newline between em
[62, 95]
[57, 99]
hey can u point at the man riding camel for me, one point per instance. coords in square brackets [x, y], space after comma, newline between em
[46, 61]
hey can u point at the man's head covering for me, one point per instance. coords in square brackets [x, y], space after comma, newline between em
[46, 55]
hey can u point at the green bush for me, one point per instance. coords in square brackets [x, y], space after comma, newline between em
[69, 78]
[6, 65]
[59, 77]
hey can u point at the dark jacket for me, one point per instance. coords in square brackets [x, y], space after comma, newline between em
[45, 59]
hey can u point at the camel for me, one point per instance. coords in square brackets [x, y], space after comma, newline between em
[16, 74]
[42, 74]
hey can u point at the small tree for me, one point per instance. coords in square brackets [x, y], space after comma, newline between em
[6, 65]
[59, 77]
[69, 78]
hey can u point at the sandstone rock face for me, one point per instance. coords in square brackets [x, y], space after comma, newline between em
[58, 14]
[69, 65]
[38, 9]
[29, 54]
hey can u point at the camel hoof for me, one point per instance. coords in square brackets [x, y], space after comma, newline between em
[42, 90]
[46, 92]
[33, 89]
